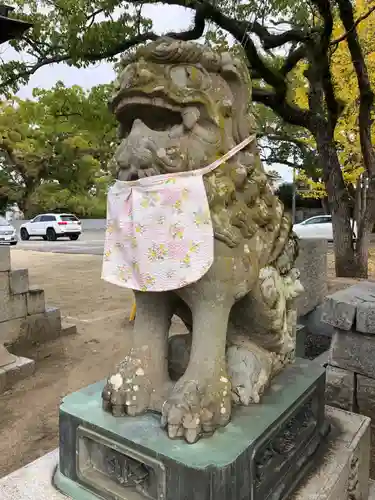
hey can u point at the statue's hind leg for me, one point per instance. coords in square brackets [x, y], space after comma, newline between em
[257, 352]
[141, 381]
[260, 338]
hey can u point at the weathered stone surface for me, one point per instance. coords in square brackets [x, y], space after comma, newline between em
[315, 325]
[35, 301]
[4, 286]
[10, 330]
[366, 396]
[365, 319]
[366, 406]
[6, 358]
[312, 264]
[4, 259]
[340, 388]
[371, 493]
[340, 308]
[353, 351]
[13, 307]
[68, 329]
[342, 473]
[14, 372]
[37, 329]
[19, 281]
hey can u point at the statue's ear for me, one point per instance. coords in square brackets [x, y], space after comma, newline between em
[237, 76]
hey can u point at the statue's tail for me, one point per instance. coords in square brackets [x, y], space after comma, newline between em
[286, 247]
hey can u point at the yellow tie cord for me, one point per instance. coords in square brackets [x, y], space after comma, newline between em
[133, 312]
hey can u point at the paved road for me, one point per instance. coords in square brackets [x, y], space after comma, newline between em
[90, 242]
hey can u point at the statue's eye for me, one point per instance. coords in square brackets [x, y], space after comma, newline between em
[179, 76]
[193, 74]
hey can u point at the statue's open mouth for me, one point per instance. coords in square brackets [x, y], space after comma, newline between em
[155, 112]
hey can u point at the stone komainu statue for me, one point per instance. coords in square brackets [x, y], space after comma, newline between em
[180, 106]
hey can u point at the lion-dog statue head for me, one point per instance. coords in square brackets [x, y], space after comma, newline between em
[181, 106]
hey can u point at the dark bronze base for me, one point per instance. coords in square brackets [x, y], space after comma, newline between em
[261, 455]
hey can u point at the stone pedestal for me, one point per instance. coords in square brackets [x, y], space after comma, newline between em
[312, 264]
[340, 471]
[351, 367]
[263, 453]
[24, 321]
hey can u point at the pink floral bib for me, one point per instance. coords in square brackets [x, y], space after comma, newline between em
[159, 233]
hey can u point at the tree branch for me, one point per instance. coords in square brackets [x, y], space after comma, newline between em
[353, 27]
[240, 30]
[293, 59]
[91, 17]
[192, 34]
[320, 49]
[289, 112]
[366, 93]
[272, 41]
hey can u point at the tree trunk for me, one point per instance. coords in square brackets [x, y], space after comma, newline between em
[347, 263]
[325, 205]
[365, 221]
[24, 202]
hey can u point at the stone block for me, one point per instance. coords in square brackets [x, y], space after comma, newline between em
[38, 328]
[4, 286]
[365, 319]
[340, 388]
[354, 352]
[13, 373]
[371, 493]
[35, 301]
[68, 329]
[366, 396]
[13, 307]
[6, 358]
[340, 308]
[10, 330]
[342, 472]
[366, 406]
[19, 281]
[312, 263]
[4, 259]
[315, 325]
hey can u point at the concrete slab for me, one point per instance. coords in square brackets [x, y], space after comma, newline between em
[33, 481]
[344, 465]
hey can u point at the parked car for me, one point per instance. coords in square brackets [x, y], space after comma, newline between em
[8, 234]
[318, 227]
[52, 226]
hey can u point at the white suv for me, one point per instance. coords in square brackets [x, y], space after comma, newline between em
[52, 226]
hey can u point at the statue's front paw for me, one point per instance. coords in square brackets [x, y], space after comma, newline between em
[250, 369]
[196, 408]
[128, 390]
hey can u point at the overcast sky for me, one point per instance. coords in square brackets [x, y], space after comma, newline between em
[165, 18]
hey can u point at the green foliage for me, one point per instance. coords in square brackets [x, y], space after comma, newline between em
[285, 193]
[55, 150]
